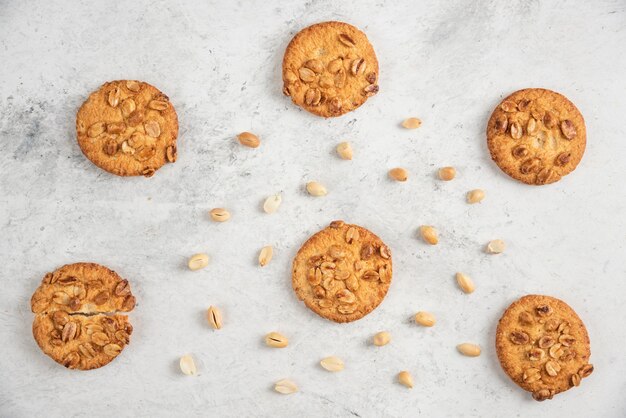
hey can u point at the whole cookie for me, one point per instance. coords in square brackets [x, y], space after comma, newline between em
[330, 68]
[543, 346]
[343, 272]
[128, 128]
[536, 136]
[77, 320]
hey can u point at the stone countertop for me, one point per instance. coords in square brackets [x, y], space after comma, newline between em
[448, 63]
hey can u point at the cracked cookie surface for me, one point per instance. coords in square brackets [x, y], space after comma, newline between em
[330, 68]
[536, 136]
[77, 321]
[128, 128]
[343, 272]
[543, 346]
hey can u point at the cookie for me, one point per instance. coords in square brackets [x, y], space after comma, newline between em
[329, 69]
[543, 346]
[78, 321]
[128, 128]
[343, 272]
[79, 341]
[536, 136]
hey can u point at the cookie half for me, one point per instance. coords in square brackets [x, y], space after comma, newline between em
[79, 341]
[330, 69]
[543, 346]
[536, 136]
[343, 272]
[78, 321]
[128, 128]
[83, 288]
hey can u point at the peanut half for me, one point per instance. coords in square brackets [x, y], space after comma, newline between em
[475, 196]
[214, 316]
[249, 140]
[411, 123]
[285, 386]
[429, 234]
[469, 349]
[496, 246]
[344, 150]
[198, 261]
[425, 319]
[316, 189]
[406, 379]
[219, 214]
[332, 364]
[265, 256]
[188, 365]
[382, 338]
[399, 174]
[446, 173]
[276, 340]
[465, 283]
[272, 203]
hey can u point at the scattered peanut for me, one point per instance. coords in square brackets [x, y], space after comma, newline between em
[316, 189]
[475, 196]
[188, 365]
[405, 378]
[219, 214]
[198, 261]
[496, 246]
[332, 364]
[344, 150]
[412, 123]
[429, 234]
[265, 256]
[382, 338]
[276, 340]
[214, 316]
[285, 386]
[465, 283]
[468, 349]
[249, 140]
[425, 319]
[447, 173]
[272, 203]
[399, 174]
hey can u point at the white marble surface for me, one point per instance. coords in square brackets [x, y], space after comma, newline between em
[448, 63]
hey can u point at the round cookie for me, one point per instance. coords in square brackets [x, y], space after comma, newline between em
[543, 346]
[77, 320]
[343, 272]
[536, 136]
[329, 69]
[128, 128]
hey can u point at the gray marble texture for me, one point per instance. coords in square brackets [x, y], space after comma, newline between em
[448, 63]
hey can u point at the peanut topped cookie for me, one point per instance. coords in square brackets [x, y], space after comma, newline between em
[343, 272]
[543, 346]
[330, 68]
[77, 320]
[128, 128]
[536, 136]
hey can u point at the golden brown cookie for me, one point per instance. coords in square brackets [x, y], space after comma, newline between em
[79, 341]
[128, 128]
[343, 272]
[330, 68]
[536, 136]
[543, 346]
[77, 320]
